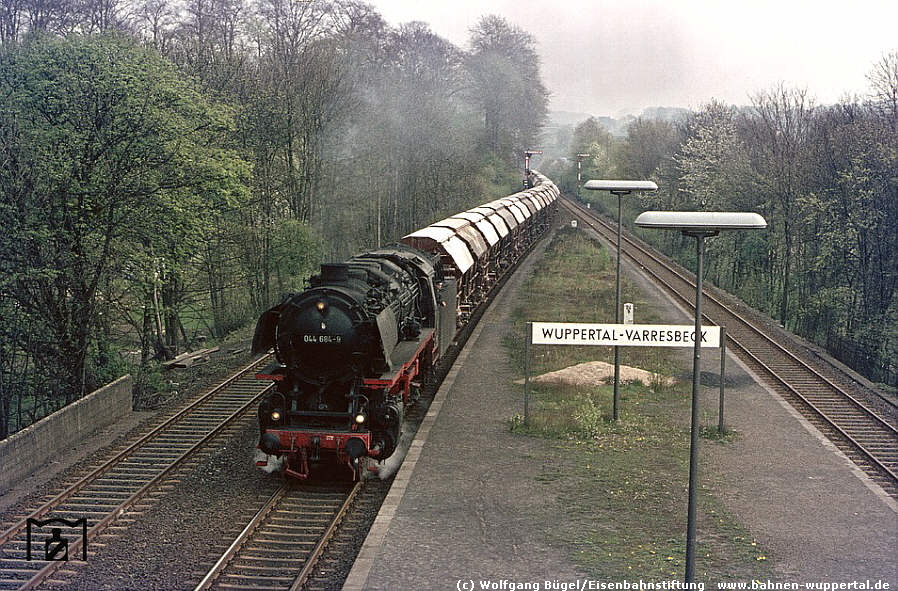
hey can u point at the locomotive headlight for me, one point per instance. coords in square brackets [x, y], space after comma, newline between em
[360, 418]
[275, 415]
[321, 306]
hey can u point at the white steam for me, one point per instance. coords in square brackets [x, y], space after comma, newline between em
[274, 463]
[389, 466]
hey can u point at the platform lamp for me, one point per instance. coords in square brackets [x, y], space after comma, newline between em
[619, 188]
[700, 225]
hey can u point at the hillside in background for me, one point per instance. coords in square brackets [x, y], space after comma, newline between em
[617, 126]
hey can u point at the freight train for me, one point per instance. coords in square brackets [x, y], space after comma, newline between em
[354, 348]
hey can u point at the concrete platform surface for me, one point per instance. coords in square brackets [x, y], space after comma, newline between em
[466, 506]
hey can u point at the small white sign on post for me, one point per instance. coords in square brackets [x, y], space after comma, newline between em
[628, 313]
[622, 335]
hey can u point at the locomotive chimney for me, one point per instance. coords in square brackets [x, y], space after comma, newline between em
[334, 272]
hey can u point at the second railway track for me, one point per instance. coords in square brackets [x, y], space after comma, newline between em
[285, 546]
[824, 396]
[109, 491]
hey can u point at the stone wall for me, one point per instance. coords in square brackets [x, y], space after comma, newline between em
[37, 444]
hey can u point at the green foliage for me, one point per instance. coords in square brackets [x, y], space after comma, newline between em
[713, 160]
[140, 213]
[504, 68]
[295, 254]
[823, 177]
[649, 143]
[115, 168]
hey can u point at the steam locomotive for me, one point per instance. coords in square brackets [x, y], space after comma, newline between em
[354, 348]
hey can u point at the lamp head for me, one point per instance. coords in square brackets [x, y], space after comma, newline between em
[620, 186]
[701, 221]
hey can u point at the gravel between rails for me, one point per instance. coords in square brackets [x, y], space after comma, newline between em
[178, 538]
[84, 455]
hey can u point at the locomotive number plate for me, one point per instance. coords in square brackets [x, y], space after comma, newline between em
[323, 339]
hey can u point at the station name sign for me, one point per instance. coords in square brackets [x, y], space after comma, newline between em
[632, 335]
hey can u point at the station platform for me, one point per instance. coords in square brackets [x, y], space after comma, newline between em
[467, 506]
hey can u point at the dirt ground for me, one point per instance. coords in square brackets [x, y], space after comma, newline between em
[594, 373]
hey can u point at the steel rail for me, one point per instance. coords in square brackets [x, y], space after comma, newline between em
[211, 577]
[140, 493]
[260, 527]
[111, 515]
[105, 467]
[746, 325]
[446, 362]
[306, 571]
[728, 310]
[751, 326]
[239, 541]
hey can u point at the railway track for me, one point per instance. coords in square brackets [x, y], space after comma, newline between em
[280, 546]
[297, 520]
[293, 541]
[829, 399]
[107, 493]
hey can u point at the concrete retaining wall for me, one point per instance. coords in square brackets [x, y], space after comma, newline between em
[37, 444]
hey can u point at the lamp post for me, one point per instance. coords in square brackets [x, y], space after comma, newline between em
[619, 188]
[700, 225]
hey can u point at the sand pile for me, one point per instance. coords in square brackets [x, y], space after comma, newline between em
[598, 372]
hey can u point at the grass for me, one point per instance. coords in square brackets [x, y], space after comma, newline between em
[624, 484]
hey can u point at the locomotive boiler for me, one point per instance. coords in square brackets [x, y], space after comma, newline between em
[353, 349]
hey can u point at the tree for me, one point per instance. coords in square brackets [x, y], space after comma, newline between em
[591, 137]
[716, 175]
[413, 120]
[11, 13]
[648, 143]
[154, 21]
[714, 162]
[123, 194]
[778, 139]
[305, 82]
[504, 67]
[884, 85]
[115, 164]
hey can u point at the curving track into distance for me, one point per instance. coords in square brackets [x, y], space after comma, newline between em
[828, 398]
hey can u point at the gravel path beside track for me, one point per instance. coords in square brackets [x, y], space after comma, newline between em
[175, 541]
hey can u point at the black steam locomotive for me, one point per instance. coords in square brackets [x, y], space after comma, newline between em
[353, 349]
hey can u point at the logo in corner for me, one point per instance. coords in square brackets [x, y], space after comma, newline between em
[55, 545]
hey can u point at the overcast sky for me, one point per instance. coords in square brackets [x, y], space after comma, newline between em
[613, 57]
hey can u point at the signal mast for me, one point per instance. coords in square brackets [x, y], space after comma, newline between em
[528, 182]
[580, 158]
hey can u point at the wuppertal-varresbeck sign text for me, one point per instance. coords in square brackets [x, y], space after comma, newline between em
[631, 335]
